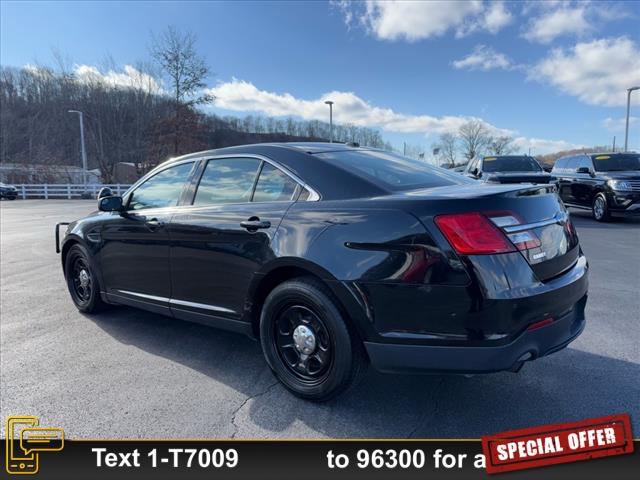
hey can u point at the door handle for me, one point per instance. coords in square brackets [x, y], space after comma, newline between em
[154, 224]
[254, 223]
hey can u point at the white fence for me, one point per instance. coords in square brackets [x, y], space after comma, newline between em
[67, 190]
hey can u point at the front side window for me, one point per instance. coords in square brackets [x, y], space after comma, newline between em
[585, 162]
[572, 164]
[559, 165]
[161, 190]
[274, 185]
[228, 180]
[472, 165]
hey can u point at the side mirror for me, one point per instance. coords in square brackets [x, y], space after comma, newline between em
[583, 170]
[112, 203]
[105, 192]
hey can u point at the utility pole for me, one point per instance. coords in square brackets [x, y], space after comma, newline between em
[330, 103]
[84, 153]
[626, 130]
[614, 144]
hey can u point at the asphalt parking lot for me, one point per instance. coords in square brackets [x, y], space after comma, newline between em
[127, 373]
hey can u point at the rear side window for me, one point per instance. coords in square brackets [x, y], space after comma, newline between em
[228, 180]
[273, 185]
[163, 189]
[392, 171]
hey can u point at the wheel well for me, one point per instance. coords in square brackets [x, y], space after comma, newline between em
[65, 249]
[271, 281]
[597, 192]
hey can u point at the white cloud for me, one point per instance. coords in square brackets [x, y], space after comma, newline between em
[493, 19]
[417, 20]
[617, 125]
[238, 95]
[562, 18]
[483, 58]
[563, 21]
[541, 146]
[130, 77]
[597, 72]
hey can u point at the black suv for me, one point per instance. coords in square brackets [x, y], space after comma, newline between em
[606, 183]
[508, 169]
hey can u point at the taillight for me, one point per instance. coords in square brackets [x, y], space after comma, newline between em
[473, 234]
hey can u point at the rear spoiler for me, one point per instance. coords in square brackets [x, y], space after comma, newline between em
[58, 235]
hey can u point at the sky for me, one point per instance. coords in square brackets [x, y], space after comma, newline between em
[552, 74]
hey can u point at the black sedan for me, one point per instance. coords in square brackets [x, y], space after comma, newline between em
[8, 191]
[508, 169]
[336, 256]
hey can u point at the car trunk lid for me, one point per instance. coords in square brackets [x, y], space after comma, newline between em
[532, 217]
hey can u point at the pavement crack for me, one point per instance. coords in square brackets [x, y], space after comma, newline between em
[236, 427]
[434, 411]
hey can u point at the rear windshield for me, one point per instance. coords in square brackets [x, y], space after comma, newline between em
[392, 171]
[616, 162]
[510, 164]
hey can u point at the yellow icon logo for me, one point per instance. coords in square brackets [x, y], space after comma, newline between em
[25, 440]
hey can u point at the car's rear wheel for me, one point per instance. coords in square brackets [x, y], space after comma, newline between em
[81, 280]
[307, 342]
[600, 208]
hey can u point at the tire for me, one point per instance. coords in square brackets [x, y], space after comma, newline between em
[82, 281]
[325, 358]
[600, 208]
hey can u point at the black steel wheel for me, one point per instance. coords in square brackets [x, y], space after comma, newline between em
[303, 342]
[306, 341]
[81, 280]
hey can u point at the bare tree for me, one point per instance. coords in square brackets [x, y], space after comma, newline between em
[448, 145]
[176, 54]
[474, 137]
[501, 145]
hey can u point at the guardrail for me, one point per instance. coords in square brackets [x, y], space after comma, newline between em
[68, 190]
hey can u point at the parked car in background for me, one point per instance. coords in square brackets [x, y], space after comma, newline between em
[508, 169]
[608, 184]
[335, 256]
[8, 191]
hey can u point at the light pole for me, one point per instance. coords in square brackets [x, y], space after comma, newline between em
[84, 153]
[330, 103]
[626, 129]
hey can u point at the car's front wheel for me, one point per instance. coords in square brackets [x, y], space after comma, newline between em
[600, 208]
[82, 281]
[306, 341]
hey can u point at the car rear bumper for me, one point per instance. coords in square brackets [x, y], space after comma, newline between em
[529, 345]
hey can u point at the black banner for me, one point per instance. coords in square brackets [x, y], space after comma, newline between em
[295, 460]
